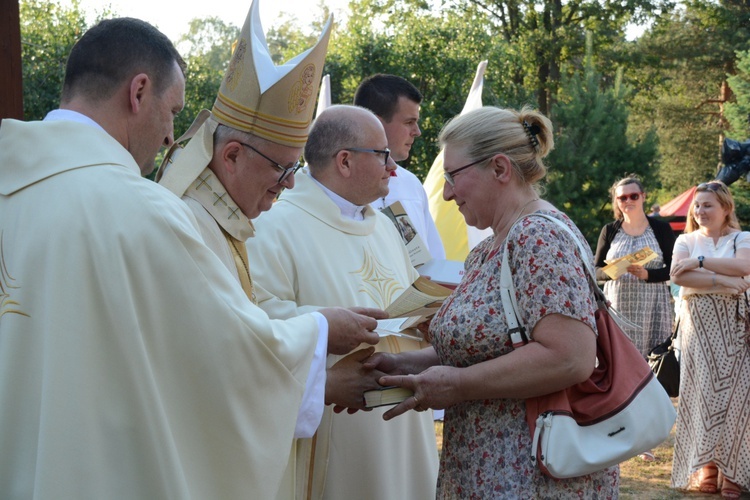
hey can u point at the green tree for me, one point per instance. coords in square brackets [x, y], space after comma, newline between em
[738, 112]
[680, 69]
[207, 49]
[437, 52]
[549, 35]
[594, 147]
[48, 32]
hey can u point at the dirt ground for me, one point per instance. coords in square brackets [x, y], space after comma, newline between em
[641, 480]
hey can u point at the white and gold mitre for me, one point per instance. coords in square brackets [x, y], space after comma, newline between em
[273, 102]
[256, 96]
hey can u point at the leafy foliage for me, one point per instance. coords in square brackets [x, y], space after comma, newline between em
[48, 32]
[438, 53]
[548, 35]
[686, 79]
[738, 112]
[207, 49]
[593, 148]
[679, 68]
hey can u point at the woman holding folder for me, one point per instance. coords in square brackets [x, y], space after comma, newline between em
[641, 294]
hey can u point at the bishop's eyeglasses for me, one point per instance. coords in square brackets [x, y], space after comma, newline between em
[285, 171]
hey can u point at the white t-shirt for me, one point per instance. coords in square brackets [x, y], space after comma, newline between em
[695, 244]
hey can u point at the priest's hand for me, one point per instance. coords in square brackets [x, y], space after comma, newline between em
[424, 329]
[403, 363]
[348, 328]
[348, 379]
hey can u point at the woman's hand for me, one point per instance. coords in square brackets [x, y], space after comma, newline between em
[735, 284]
[638, 271]
[682, 265]
[436, 387]
[386, 362]
[404, 363]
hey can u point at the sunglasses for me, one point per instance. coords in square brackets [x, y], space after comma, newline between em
[711, 186]
[631, 197]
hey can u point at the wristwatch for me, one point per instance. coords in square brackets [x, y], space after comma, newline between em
[700, 261]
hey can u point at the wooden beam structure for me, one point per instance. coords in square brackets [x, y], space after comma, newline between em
[11, 80]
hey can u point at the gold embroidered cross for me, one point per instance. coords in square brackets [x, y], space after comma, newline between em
[219, 198]
[7, 305]
[233, 213]
[204, 181]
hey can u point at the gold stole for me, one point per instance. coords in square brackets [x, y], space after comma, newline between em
[239, 252]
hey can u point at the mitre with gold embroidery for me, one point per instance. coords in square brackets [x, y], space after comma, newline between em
[276, 103]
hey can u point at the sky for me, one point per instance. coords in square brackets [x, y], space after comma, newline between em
[172, 17]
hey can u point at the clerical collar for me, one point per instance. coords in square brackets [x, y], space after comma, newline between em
[348, 209]
[72, 116]
[59, 115]
[210, 193]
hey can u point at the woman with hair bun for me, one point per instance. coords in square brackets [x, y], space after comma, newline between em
[493, 161]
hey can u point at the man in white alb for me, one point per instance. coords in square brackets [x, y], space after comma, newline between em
[132, 364]
[324, 244]
[241, 155]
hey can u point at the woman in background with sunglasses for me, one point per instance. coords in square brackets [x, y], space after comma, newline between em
[642, 294]
[711, 261]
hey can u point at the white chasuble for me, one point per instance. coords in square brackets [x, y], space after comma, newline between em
[225, 228]
[132, 364]
[311, 257]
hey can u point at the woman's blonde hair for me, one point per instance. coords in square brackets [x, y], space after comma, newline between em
[628, 179]
[725, 200]
[524, 136]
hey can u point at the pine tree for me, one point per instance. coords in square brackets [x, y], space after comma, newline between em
[593, 148]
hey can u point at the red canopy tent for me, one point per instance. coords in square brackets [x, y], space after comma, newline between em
[675, 210]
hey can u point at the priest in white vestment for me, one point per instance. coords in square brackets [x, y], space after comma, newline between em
[241, 155]
[236, 164]
[323, 244]
[132, 364]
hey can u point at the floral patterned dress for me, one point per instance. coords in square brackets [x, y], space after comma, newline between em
[486, 444]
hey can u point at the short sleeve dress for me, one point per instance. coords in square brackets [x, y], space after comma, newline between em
[486, 444]
[648, 305]
[713, 417]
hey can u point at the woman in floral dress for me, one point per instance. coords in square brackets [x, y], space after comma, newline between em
[493, 162]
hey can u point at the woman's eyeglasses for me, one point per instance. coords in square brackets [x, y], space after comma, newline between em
[631, 197]
[449, 176]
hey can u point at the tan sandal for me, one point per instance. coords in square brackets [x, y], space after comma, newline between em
[729, 490]
[709, 479]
